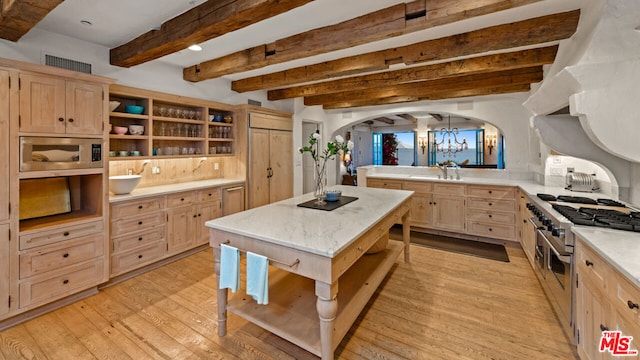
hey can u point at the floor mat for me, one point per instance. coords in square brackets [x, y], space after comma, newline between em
[469, 247]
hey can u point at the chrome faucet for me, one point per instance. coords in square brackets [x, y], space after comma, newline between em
[443, 168]
[457, 172]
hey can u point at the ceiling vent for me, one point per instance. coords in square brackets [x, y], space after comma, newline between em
[67, 64]
[254, 102]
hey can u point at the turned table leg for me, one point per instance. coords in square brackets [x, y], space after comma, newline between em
[327, 306]
[222, 296]
[406, 234]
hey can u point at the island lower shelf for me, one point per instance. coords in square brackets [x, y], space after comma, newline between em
[291, 312]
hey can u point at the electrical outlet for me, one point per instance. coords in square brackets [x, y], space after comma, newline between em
[216, 166]
[155, 170]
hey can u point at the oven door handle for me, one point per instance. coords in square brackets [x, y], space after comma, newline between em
[533, 223]
[564, 258]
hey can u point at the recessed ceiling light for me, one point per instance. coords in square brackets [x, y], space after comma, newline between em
[195, 48]
[86, 22]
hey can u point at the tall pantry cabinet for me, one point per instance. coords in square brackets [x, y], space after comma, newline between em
[270, 155]
[4, 190]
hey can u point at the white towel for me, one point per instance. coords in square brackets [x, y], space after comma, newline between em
[229, 268]
[258, 277]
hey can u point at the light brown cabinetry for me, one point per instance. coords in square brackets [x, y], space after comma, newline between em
[50, 104]
[270, 161]
[181, 221]
[384, 184]
[137, 233]
[605, 300]
[174, 126]
[232, 200]
[421, 202]
[5, 248]
[525, 229]
[449, 207]
[4, 267]
[491, 211]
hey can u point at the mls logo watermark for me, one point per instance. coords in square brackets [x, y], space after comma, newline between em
[617, 344]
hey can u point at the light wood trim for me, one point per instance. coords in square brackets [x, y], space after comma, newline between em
[379, 25]
[529, 32]
[267, 121]
[54, 71]
[197, 25]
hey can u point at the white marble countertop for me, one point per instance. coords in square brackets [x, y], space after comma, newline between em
[316, 231]
[148, 191]
[620, 248]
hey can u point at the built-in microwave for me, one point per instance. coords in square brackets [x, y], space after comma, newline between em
[51, 153]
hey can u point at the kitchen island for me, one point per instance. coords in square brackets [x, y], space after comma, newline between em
[319, 260]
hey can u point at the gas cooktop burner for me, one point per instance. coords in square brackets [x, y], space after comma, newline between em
[546, 197]
[600, 217]
[577, 199]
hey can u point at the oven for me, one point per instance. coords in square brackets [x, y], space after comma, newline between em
[554, 265]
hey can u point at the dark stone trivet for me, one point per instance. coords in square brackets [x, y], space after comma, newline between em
[329, 205]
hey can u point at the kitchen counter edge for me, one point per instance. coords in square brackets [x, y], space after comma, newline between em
[150, 191]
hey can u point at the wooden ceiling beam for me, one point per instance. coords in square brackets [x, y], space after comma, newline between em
[436, 116]
[385, 120]
[433, 87]
[481, 64]
[443, 95]
[379, 25]
[204, 22]
[409, 117]
[529, 32]
[17, 17]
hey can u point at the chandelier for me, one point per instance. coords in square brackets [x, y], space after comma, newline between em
[452, 144]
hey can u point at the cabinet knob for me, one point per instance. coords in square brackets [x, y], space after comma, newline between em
[195, 216]
[139, 206]
[490, 229]
[61, 119]
[490, 192]
[490, 204]
[632, 305]
[181, 199]
[490, 215]
[70, 119]
[140, 238]
[66, 255]
[588, 263]
[139, 222]
[139, 256]
[65, 281]
[66, 233]
[434, 203]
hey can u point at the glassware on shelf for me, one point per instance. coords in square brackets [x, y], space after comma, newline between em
[171, 112]
[179, 113]
[163, 111]
[156, 110]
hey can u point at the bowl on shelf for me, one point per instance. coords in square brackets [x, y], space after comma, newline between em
[134, 109]
[333, 195]
[218, 118]
[136, 129]
[120, 130]
[113, 105]
[123, 184]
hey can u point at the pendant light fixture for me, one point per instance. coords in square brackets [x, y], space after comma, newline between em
[449, 145]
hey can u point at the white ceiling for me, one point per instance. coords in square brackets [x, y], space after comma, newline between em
[115, 22]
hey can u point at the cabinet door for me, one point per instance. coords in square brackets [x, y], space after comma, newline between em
[422, 210]
[449, 212]
[259, 168]
[592, 313]
[4, 268]
[84, 107]
[181, 234]
[4, 146]
[206, 211]
[281, 163]
[42, 104]
[232, 200]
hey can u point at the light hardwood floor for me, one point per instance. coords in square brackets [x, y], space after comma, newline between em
[440, 306]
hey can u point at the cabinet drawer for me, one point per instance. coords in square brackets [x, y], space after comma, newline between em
[181, 199]
[419, 187]
[46, 237]
[134, 259]
[124, 226]
[491, 217]
[448, 189]
[627, 298]
[42, 260]
[385, 184]
[491, 230]
[491, 204]
[42, 289]
[208, 194]
[135, 208]
[134, 240]
[591, 266]
[492, 192]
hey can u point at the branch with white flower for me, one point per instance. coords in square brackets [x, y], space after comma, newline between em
[320, 157]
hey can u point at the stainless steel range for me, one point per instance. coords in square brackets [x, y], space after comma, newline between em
[554, 261]
[553, 217]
